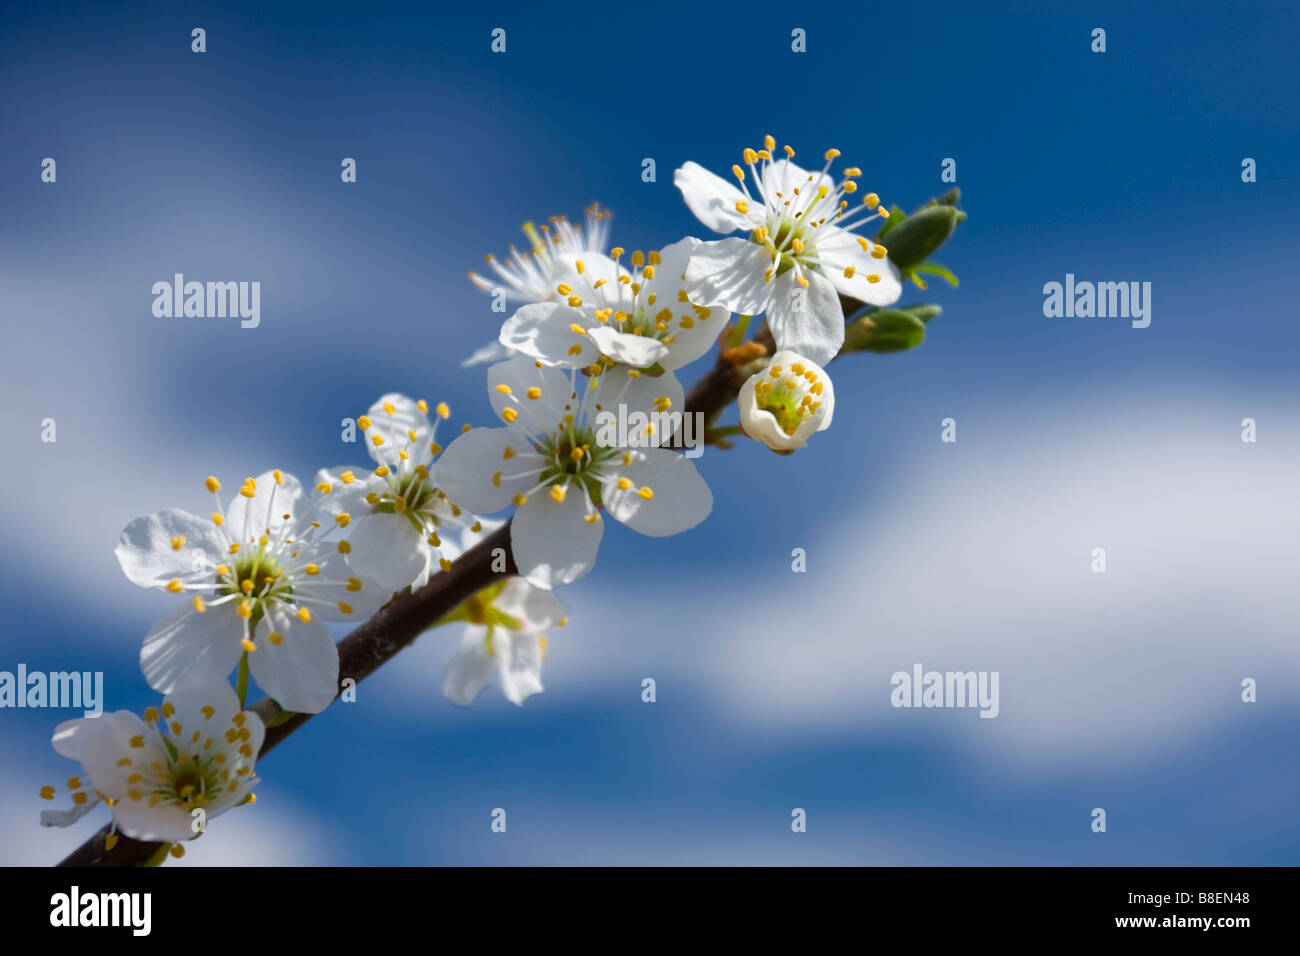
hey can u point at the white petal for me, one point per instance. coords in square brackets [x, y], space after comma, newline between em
[623, 395]
[638, 351]
[703, 326]
[66, 818]
[595, 267]
[729, 273]
[541, 332]
[256, 729]
[337, 582]
[405, 428]
[537, 416]
[247, 518]
[191, 697]
[301, 673]
[147, 556]
[713, 199]
[493, 351]
[346, 496]
[841, 250]
[536, 608]
[470, 669]
[453, 546]
[107, 740]
[808, 321]
[188, 645]
[552, 541]
[519, 664]
[70, 737]
[465, 470]
[785, 176]
[388, 549]
[163, 823]
[639, 392]
[681, 498]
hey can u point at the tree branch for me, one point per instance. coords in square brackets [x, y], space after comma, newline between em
[403, 619]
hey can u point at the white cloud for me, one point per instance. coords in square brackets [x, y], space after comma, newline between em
[977, 557]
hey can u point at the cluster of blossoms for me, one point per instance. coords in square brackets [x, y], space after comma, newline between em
[597, 332]
[253, 584]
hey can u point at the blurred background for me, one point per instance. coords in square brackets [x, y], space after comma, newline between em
[1119, 690]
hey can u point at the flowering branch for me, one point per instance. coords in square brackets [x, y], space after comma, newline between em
[274, 563]
[361, 653]
[395, 627]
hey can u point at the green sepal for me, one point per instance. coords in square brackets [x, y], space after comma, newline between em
[277, 717]
[923, 312]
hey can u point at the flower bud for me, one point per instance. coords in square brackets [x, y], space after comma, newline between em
[921, 234]
[887, 330]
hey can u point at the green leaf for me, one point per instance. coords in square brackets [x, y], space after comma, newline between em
[934, 269]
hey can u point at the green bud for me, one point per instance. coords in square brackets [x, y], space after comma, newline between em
[885, 330]
[921, 234]
[923, 312]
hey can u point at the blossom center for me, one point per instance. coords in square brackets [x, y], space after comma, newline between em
[573, 454]
[789, 395]
[786, 242]
[260, 573]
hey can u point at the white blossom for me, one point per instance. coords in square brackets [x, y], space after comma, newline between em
[548, 463]
[785, 403]
[401, 510]
[260, 576]
[530, 276]
[798, 253]
[639, 316]
[196, 753]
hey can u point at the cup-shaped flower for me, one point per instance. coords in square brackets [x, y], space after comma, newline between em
[799, 252]
[195, 753]
[549, 463]
[639, 316]
[530, 276]
[785, 403]
[401, 511]
[259, 577]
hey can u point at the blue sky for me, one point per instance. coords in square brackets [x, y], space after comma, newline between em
[1118, 691]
